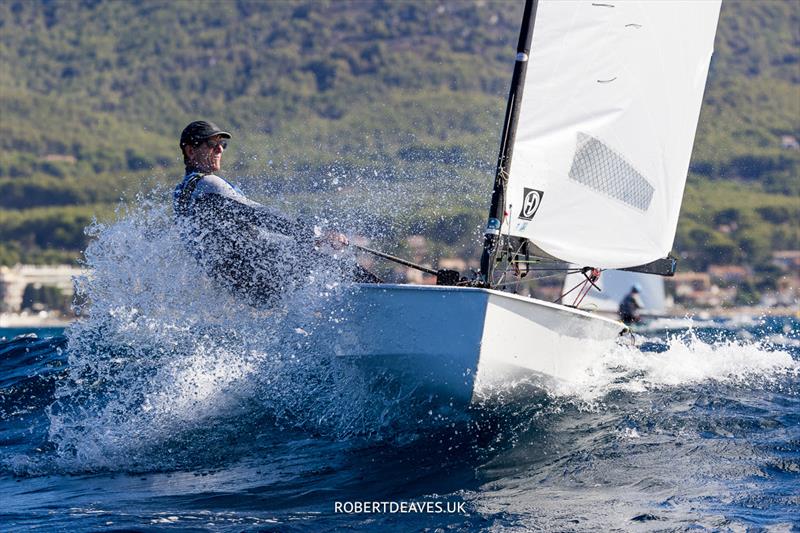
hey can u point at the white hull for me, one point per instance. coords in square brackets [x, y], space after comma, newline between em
[450, 341]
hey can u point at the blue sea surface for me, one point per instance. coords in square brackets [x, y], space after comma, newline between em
[172, 406]
[695, 428]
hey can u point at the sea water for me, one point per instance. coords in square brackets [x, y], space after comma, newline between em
[171, 406]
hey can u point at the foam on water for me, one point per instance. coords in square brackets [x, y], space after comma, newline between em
[683, 360]
[164, 355]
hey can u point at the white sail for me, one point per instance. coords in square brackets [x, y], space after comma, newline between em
[606, 127]
[614, 286]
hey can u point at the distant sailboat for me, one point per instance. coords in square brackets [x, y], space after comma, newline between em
[601, 143]
[614, 285]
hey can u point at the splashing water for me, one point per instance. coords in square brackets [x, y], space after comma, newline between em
[166, 361]
[681, 360]
[164, 354]
[170, 376]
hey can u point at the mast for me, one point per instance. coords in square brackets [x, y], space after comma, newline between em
[496, 211]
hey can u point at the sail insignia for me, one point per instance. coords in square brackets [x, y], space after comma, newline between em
[531, 200]
[602, 169]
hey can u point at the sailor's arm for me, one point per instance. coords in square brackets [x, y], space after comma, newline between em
[234, 210]
[218, 196]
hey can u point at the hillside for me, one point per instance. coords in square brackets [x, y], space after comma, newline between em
[398, 103]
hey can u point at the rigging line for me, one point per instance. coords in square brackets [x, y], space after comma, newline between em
[507, 216]
[582, 294]
[581, 287]
[539, 261]
[588, 284]
[546, 276]
[510, 283]
[581, 284]
[560, 298]
[558, 272]
[555, 269]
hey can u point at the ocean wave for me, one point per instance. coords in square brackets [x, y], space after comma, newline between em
[167, 371]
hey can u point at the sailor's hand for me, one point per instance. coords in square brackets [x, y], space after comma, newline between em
[334, 239]
[337, 240]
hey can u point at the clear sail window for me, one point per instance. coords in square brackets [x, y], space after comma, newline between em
[602, 169]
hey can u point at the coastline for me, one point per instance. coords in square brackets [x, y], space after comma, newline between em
[733, 312]
[37, 320]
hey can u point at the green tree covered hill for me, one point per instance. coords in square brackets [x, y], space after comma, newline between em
[94, 93]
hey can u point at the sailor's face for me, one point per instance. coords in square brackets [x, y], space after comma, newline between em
[207, 155]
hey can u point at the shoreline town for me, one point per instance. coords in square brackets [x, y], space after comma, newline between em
[40, 296]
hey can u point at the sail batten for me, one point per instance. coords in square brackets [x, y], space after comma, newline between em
[606, 128]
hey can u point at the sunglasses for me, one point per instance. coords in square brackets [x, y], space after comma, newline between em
[213, 144]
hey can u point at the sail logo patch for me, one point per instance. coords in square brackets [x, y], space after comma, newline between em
[531, 200]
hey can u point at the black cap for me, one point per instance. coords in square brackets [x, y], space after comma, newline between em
[199, 131]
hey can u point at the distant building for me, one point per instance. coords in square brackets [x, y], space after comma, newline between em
[453, 263]
[789, 142]
[697, 290]
[729, 273]
[788, 290]
[688, 282]
[788, 260]
[59, 158]
[14, 280]
[417, 277]
[728, 228]
[418, 246]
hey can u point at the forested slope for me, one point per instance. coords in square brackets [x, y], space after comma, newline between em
[94, 93]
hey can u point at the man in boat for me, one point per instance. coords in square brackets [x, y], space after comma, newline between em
[254, 251]
[630, 305]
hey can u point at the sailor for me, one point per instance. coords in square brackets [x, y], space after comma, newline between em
[630, 305]
[254, 251]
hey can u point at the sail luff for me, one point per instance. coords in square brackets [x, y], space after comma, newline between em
[492, 233]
